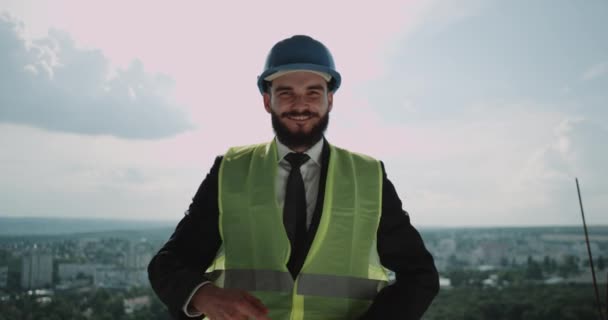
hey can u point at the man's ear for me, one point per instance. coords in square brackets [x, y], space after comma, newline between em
[330, 101]
[266, 97]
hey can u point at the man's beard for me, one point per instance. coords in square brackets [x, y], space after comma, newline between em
[299, 139]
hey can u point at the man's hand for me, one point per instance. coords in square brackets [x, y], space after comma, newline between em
[228, 304]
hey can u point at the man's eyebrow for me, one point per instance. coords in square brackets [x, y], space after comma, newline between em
[282, 88]
[316, 87]
[288, 88]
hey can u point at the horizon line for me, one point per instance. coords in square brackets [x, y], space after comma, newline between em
[423, 226]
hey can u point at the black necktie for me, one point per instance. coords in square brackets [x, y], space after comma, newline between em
[294, 210]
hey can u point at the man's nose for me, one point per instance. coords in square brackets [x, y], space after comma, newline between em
[300, 101]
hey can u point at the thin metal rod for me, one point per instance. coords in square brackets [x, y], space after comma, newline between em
[597, 293]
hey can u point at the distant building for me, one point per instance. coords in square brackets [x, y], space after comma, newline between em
[138, 255]
[143, 259]
[489, 253]
[134, 304]
[42, 296]
[587, 278]
[445, 282]
[3, 277]
[486, 267]
[554, 280]
[491, 281]
[73, 284]
[71, 271]
[138, 278]
[110, 277]
[36, 271]
[117, 277]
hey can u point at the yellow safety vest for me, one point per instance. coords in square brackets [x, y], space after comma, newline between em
[341, 274]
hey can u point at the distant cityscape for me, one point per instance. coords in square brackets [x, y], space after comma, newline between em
[44, 267]
[559, 252]
[127, 268]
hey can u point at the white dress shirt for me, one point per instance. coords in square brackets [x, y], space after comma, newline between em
[311, 174]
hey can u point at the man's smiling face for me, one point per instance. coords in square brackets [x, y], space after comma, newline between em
[299, 103]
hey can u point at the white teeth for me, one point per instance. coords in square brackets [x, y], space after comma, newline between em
[300, 118]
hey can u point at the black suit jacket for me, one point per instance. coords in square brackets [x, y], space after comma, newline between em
[180, 264]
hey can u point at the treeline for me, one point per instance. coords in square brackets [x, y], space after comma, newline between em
[539, 302]
[99, 304]
[532, 272]
[551, 302]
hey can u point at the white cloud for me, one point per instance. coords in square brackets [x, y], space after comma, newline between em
[596, 71]
[61, 174]
[508, 164]
[49, 83]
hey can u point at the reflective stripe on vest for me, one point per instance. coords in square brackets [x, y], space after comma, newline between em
[310, 284]
[338, 286]
[341, 273]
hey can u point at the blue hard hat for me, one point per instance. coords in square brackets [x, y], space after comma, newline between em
[300, 53]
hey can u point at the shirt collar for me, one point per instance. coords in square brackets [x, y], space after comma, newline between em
[313, 152]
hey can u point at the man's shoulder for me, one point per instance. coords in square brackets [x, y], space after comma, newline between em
[358, 154]
[361, 156]
[242, 150]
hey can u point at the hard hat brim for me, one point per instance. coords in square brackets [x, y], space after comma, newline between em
[333, 84]
[325, 76]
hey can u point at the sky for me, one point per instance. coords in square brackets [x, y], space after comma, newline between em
[483, 112]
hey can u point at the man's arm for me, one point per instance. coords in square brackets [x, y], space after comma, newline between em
[402, 250]
[178, 268]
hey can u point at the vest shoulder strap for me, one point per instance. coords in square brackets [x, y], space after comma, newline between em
[240, 151]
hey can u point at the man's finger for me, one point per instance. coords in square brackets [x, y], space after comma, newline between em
[248, 308]
[256, 302]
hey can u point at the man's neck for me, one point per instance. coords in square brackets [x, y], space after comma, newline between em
[299, 149]
[313, 151]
